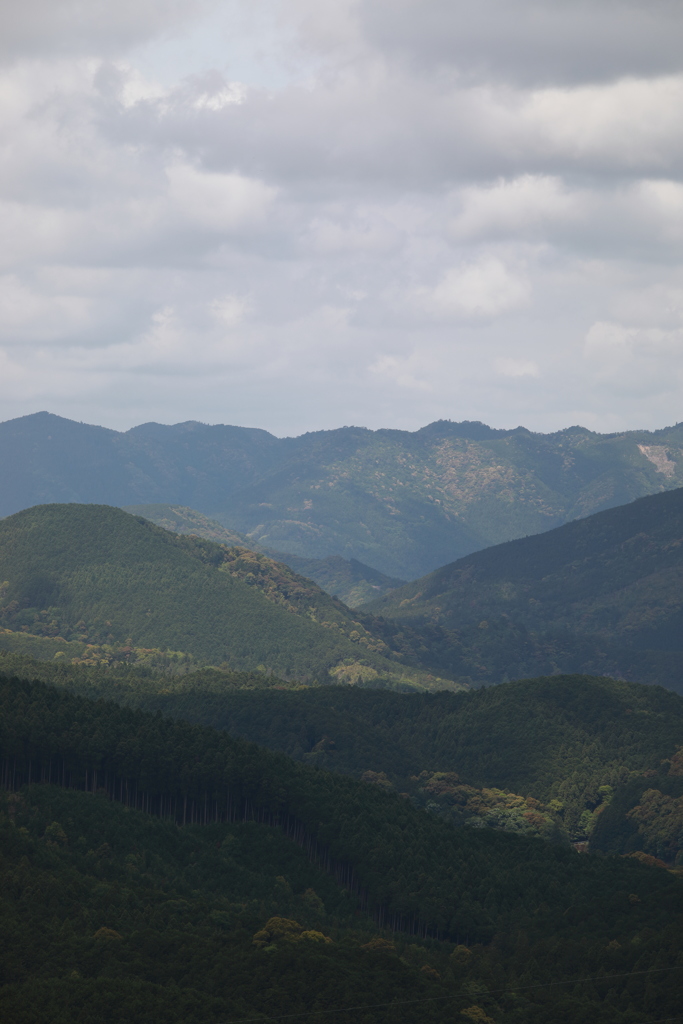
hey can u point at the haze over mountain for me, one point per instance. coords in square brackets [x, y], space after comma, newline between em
[617, 574]
[403, 503]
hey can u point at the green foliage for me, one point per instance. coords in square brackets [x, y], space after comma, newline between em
[562, 740]
[111, 914]
[488, 807]
[600, 594]
[179, 519]
[540, 757]
[645, 815]
[128, 917]
[94, 575]
[348, 579]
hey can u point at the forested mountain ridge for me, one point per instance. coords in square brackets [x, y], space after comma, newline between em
[401, 502]
[613, 579]
[565, 757]
[159, 609]
[97, 575]
[567, 742]
[348, 579]
[110, 911]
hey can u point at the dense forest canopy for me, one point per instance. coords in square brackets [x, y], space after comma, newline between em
[567, 741]
[616, 573]
[90, 583]
[346, 578]
[126, 912]
[562, 757]
[97, 575]
[606, 589]
[202, 821]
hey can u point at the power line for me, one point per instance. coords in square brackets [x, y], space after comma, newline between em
[436, 999]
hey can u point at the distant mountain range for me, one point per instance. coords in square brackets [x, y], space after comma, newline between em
[404, 503]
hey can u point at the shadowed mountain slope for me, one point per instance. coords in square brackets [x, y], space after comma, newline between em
[616, 576]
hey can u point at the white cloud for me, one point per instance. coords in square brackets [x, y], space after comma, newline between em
[355, 231]
[229, 310]
[28, 313]
[522, 205]
[484, 288]
[517, 367]
[402, 370]
[219, 202]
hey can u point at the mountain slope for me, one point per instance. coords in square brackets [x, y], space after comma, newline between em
[566, 741]
[95, 574]
[348, 579]
[564, 757]
[602, 595]
[617, 575]
[595, 761]
[569, 913]
[399, 501]
[180, 519]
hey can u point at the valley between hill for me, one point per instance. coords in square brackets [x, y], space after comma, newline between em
[348, 579]
[201, 820]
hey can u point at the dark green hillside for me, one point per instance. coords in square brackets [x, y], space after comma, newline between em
[111, 914]
[615, 579]
[402, 502]
[95, 574]
[646, 815]
[348, 579]
[617, 573]
[568, 739]
[543, 756]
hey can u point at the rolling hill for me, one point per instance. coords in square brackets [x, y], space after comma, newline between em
[404, 503]
[101, 577]
[348, 579]
[563, 757]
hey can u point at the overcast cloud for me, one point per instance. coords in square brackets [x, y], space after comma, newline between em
[300, 214]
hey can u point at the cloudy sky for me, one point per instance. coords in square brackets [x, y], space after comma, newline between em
[299, 214]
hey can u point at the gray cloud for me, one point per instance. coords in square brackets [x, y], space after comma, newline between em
[51, 27]
[445, 209]
[530, 42]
